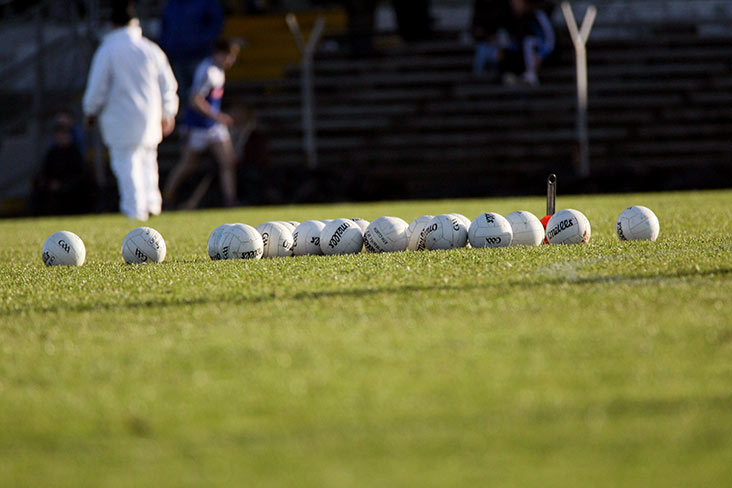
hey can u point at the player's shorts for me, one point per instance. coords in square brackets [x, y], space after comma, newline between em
[199, 138]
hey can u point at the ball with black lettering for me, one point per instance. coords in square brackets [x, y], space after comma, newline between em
[341, 236]
[306, 238]
[527, 228]
[445, 232]
[276, 240]
[63, 248]
[287, 224]
[490, 230]
[462, 218]
[240, 241]
[568, 226]
[143, 245]
[214, 242]
[386, 234]
[466, 222]
[637, 223]
[416, 233]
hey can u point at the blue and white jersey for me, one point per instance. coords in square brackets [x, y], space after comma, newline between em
[209, 82]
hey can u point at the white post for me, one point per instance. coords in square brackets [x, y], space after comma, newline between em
[307, 52]
[579, 39]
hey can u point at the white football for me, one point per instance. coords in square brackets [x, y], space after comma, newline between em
[465, 221]
[290, 225]
[637, 223]
[143, 245]
[214, 244]
[240, 241]
[363, 224]
[490, 230]
[276, 239]
[63, 248]
[341, 236]
[568, 226]
[526, 227]
[445, 232]
[306, 238]
[416, 233]
[386, 234]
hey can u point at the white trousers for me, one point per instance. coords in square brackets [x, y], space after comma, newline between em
[136, 169]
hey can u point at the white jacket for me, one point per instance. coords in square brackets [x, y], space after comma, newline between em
[131, 87]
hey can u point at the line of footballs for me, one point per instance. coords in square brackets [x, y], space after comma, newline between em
[351, 236]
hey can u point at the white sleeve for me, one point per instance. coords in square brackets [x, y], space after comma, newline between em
[168, 87]
[97, 86]
[202, 83]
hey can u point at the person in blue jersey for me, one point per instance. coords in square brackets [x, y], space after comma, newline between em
[206, 127]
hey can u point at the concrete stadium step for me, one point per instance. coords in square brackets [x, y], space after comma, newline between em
[421, 118]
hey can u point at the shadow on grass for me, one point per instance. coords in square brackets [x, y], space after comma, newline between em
[498, 288]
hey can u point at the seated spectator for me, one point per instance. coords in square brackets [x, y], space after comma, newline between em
[414, 21]
[536, 36]
[361, 19]
[491, 20]
[65, 184]
[513, 37]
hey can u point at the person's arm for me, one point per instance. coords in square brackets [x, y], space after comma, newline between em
[168, 92]
[199, 102]
[97, 87]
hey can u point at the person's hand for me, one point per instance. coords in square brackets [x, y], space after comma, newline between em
[168, 126]
[224, 118]
[90, 121]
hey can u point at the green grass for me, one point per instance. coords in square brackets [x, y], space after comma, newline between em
[602, 365]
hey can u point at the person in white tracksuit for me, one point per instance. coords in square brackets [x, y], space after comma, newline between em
[131, 90]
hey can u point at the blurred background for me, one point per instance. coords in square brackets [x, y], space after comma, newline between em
[399, 109]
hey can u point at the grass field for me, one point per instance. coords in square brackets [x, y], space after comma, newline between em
[603, 365]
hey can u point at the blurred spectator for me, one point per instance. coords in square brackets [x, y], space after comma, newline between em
[206, 126]
[413, 19]
[131, 91]
[65, 184]
[536, 37]
[491, 20]
[189, 29]
[361, 19]
[513, 37]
